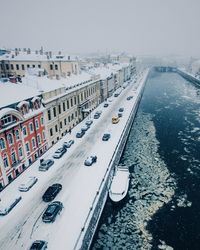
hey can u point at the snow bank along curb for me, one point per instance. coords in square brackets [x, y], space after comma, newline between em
[188, 76]
[87, 232]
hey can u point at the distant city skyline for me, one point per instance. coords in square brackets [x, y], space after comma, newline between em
[138, 27]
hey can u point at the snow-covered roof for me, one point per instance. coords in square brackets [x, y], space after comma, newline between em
[11, 93]
[24, 56]
[6, 111]
[22, 103]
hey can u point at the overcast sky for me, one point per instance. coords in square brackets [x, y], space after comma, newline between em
[156, 27]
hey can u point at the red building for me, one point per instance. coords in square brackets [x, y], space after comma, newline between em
[22, 137]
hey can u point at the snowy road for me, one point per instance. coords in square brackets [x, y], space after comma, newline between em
[23, 224]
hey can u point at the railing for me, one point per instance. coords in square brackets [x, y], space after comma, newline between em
[93, 215]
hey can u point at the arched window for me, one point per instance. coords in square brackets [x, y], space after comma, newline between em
[38, 139]
[10, 139]
[2, 143]
[13, 157]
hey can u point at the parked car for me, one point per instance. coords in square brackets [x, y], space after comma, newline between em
[121, 109]
[27, 184]
[45, 164]
[39, 245]
[110, 100]
[106, 137]
[120, 114]
[98, 112]
[52, 211]
[129, 97]
[51, 192]
[7, 204]
[80, 134]
[68, 144]
[85, 128]
[90, 160]
[96, 116]
[59, 153]
[106, 105]
[115, 119]
[88, 122]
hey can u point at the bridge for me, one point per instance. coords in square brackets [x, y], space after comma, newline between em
[165, 69]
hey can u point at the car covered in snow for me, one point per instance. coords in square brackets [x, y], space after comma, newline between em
[8, 203]
[27, 184]
[80, 134]
[68, 144]
[90, 160]
[45, 164]
[85, 128]
[59, 153]
[88, 122]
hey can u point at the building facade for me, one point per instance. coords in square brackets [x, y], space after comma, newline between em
[22, 137]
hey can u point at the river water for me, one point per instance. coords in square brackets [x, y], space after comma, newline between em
[162, 208]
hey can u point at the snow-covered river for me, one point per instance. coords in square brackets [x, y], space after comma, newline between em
[162, 208]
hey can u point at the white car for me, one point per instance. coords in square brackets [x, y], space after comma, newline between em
[27, 184]
[90, 160]
[7, 203]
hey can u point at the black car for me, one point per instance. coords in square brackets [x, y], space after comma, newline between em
[39, 245]
[121, 109]
[106, 105]
[96, 116]
[80, 134]
[52, 211]
[106, 137]
[51, 192]
[129, 98]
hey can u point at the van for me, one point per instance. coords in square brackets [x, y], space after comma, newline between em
[115, 119]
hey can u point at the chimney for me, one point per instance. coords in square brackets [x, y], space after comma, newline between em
[41, 51]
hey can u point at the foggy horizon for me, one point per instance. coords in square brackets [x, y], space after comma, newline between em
[160, 28]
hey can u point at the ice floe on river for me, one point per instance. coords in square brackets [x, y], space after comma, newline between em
[151, 187]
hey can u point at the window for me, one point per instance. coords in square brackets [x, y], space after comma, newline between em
[63, 106]
[33, 65]
[24, 131]
[56, 67]
[5, 161]
[39, 66]
[10, 139]
[33, 142]
[51, 67]
[71, 102]
[51, 131]
[28, 66]
[42, 120]
[76, 113]
[17, 134]
[59, 109]
[72, 116]
[12, 67]
[39, 139]
[13, 158]
[60, 124]
[7, 66]
[68, 118]
[23, 67]
[56, 128]
[36, 124]
[49, 114]
[20, 152]
[44, 137]
[65, 121]
[27, 147]
[67, 104]
[81, 96]
[17, 66]
[2, 143]
[31, 127]
[54, 111]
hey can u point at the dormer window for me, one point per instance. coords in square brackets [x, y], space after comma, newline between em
[36, 102]
[23, 107]
[8, 120]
